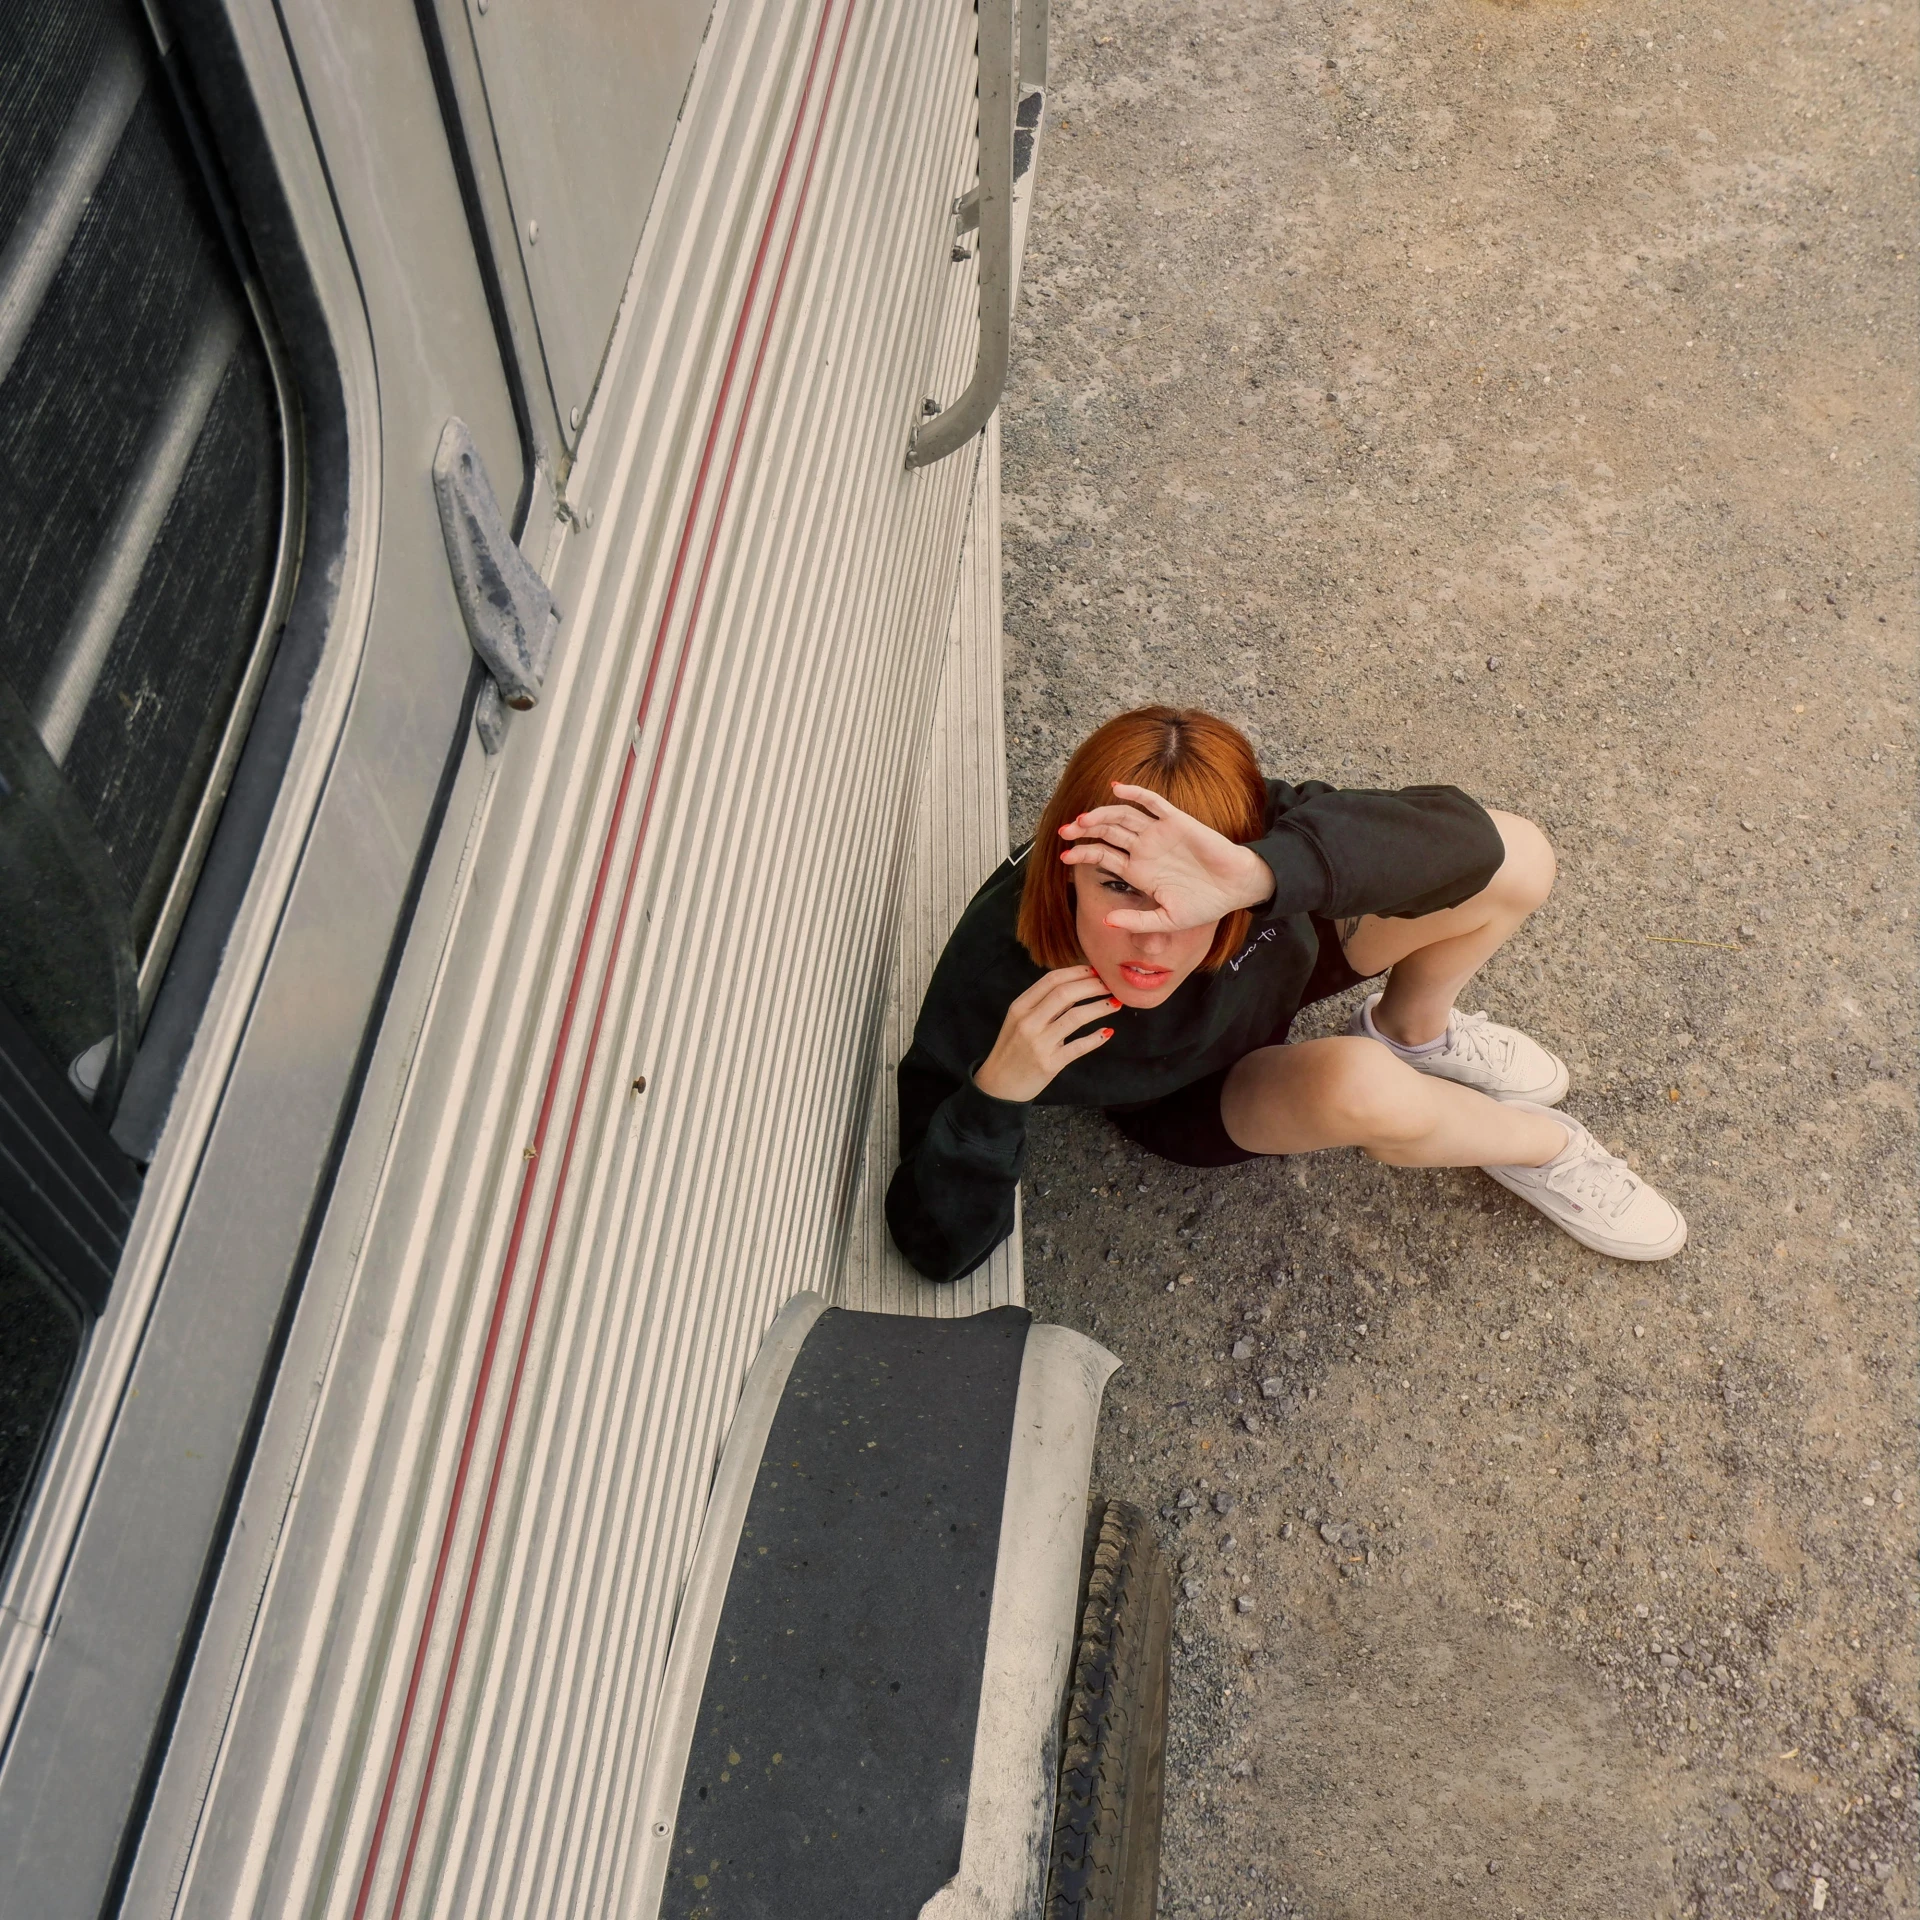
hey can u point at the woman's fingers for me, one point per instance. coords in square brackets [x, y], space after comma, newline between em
[1122, 823]
[1155, 806]
[1144, 920]
[1087, 1042]
[1053, 992]
[1097, 853]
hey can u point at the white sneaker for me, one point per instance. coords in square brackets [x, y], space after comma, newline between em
[1498, 1061]
[1597, 1198]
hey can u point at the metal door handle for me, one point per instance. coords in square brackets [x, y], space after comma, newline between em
[934, 439]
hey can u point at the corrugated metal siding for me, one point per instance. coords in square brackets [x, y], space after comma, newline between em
[683, 870]
[959, 837]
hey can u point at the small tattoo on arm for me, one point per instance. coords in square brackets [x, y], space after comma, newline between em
[1349, 927]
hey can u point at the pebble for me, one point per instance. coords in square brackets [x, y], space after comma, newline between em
[1241, 1770]
[1186, 1279]
[1784, 1881]
[1250, 1421]
[1243, 1349]
[1272, 1388]
[1329, 1533]
[1223, 1503]
[1188, 1498]
[1244, 1604]
[1191, 1588]
[1493, 666]
[1669, 1661]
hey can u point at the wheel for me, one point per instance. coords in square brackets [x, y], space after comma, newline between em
[1106, 1823]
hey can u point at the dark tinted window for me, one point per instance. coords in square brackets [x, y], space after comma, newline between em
[140, 471]
[39, 1343]
[142, 500]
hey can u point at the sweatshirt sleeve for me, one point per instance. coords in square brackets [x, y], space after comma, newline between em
[1342, 851]
[950, 1202]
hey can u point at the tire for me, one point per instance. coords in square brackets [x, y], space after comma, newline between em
[1106, 1823]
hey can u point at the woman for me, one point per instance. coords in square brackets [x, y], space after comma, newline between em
[1147, 954]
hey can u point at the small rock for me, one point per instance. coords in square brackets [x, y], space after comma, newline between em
[1819, 1896]
[1241, 1770]
[1228, 1543]
[1669, 1661]
[1272, 1388]
[1244, 1604]
[1728, 1810]
[1286, 1530]
[1493, 1866]
[1188, 1498]
[1250, 1421]
[1749, 933]
[1329, 1533]
[1493, 666]
[1243, 1349]
[1883, 1869]
[1223, 1503]
[1191, 1588]
[1784, 1880]
[1186, 1279]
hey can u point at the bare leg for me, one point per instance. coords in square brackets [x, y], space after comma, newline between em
[1350, 1092]
[1435, 956]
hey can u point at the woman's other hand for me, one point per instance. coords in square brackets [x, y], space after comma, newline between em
[1193, 875]
[1036, 1039]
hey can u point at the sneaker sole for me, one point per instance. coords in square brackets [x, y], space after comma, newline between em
[1588, 1236]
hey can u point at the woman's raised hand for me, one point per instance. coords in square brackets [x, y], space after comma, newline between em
[1036, 1038]
[1192, 874]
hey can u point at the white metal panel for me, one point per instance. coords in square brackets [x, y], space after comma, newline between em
[582, 100]
[959, 837]
[535, 1326]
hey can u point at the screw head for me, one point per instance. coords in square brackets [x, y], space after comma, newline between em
[533, 233]
[929, 407]
[573, 418]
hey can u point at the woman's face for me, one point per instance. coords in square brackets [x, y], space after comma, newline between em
[1138, 969]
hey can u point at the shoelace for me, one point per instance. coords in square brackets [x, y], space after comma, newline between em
[1594, 1178]
[1474, 1035]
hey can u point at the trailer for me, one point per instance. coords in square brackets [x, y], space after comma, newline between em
[500, 704]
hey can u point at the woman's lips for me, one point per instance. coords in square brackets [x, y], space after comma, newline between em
[1144, 979]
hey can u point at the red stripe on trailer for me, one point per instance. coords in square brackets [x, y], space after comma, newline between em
[550, 1093]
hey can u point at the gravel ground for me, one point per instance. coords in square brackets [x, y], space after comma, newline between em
[1519, 396]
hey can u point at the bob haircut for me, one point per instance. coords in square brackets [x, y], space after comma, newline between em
[1200, 763]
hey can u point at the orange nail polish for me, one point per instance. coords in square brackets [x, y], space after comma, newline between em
[1106, 1033]
[1114, 1004]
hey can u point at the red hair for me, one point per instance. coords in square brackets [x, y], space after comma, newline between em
[1201, 764]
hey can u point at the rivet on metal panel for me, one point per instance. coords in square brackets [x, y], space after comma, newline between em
[587, 517]
[640, 1085]
[533, 233]
[929, 407]
[573, 418]
[959, 253]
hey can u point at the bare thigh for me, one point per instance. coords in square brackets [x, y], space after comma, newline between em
[1311, 1094]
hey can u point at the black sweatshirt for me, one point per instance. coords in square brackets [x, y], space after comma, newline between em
[1334, 852]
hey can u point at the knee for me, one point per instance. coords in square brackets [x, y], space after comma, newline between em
[1370, 1098]
[1526, 874]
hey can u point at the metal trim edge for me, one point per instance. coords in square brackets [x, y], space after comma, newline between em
[1030, 1636]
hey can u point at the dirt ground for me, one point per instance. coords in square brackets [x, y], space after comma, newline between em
[1521, 396]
